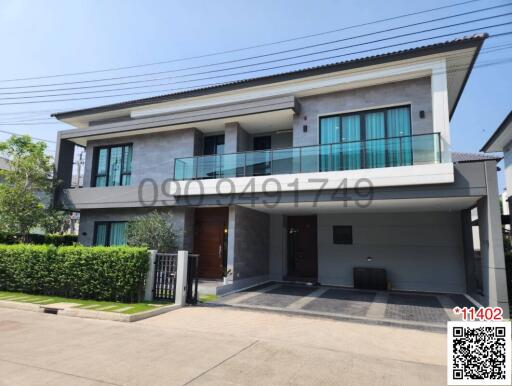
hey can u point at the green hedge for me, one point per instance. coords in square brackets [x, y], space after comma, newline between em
[99, 273]
[53, 239]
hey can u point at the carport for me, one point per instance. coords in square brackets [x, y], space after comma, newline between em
[407, 309]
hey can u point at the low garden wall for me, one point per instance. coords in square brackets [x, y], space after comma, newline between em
[99, 273]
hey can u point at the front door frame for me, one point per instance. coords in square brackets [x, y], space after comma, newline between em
[291, 273]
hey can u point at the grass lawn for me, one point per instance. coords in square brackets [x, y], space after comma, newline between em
[94, 305]
[207, 298]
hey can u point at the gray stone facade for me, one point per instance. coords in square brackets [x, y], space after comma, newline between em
[416, 93]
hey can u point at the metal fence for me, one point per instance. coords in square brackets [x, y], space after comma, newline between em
[165, 276]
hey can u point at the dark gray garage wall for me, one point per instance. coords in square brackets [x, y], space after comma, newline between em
[182, 220]
[251, 242]
[420, 251]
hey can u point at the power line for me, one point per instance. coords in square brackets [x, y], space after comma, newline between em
[454, 70]
[248, 47]
[195, 80]
[19, 135]
[263, 55]
[250, 71]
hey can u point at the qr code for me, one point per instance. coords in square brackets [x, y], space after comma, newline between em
[479, 353]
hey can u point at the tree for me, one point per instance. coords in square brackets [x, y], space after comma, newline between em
[155, 231]
[55, 221]
[28, 179]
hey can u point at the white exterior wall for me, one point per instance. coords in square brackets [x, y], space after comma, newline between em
[420, 251]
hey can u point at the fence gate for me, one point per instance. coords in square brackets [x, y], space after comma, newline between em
[165, 276]
[192, 278]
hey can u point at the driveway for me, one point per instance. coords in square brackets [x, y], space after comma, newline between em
[405, 309]
[215, 346]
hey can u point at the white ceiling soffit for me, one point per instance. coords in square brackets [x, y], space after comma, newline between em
[438, 204]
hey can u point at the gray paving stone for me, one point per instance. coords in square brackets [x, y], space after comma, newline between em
[282, 296]
[412, 307]
[341, 301]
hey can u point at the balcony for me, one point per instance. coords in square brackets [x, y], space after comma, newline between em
[369, 154]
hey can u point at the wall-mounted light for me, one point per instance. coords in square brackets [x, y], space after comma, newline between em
[305, 128]
[369, 258]
[422, 114]
[84, 233]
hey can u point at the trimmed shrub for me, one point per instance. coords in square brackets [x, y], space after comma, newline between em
[99, 273]
[53, 239]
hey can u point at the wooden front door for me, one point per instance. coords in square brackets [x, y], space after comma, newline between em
[302, 247]
[210, 241]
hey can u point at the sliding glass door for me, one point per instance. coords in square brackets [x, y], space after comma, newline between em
[366, 139]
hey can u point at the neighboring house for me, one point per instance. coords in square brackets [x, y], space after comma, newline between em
[4, 165]
[267, 178]
[501, 141]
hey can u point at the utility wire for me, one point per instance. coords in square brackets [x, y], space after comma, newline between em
[269, 54]
[19, 135]
[250, 71]
[454, 70]
[248, 47]
[460, 68]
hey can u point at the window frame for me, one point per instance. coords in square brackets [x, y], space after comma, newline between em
[107, 233]
[362, 128]
[96, 156]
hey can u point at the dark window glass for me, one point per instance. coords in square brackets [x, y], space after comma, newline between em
[214, 145]
[107, 233]
[262, 143]
[342, 234]
[113, 166]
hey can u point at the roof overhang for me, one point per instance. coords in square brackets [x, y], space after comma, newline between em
[501, 138]
[457, 55]
[264, 115]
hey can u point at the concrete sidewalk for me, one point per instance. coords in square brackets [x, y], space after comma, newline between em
[220, 346]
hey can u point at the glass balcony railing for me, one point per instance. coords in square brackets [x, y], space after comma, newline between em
[374, 153]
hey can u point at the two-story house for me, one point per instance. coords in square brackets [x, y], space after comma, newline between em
[303, 175]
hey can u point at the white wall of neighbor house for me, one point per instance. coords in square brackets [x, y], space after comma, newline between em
[420, 251]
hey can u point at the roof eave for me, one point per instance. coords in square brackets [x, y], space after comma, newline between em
[499, 131]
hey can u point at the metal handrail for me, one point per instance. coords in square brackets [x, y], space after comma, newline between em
[300, 149]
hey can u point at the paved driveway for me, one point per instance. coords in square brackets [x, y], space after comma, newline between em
[405, 309]
[214, 346]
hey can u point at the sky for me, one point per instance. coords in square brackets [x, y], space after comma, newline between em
[42, 39]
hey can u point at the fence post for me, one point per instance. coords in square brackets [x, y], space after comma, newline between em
[181, 279]
[150, 277]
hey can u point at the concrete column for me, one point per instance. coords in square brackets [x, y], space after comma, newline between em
[181, 279]
[440, 109]
[231, 241]
[236, 139]
[150, 277]
[491, 240]
[469, 251]
[64, 158]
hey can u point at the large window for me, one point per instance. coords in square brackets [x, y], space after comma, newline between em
[107, 233]
[113, 166]
[367, 139]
